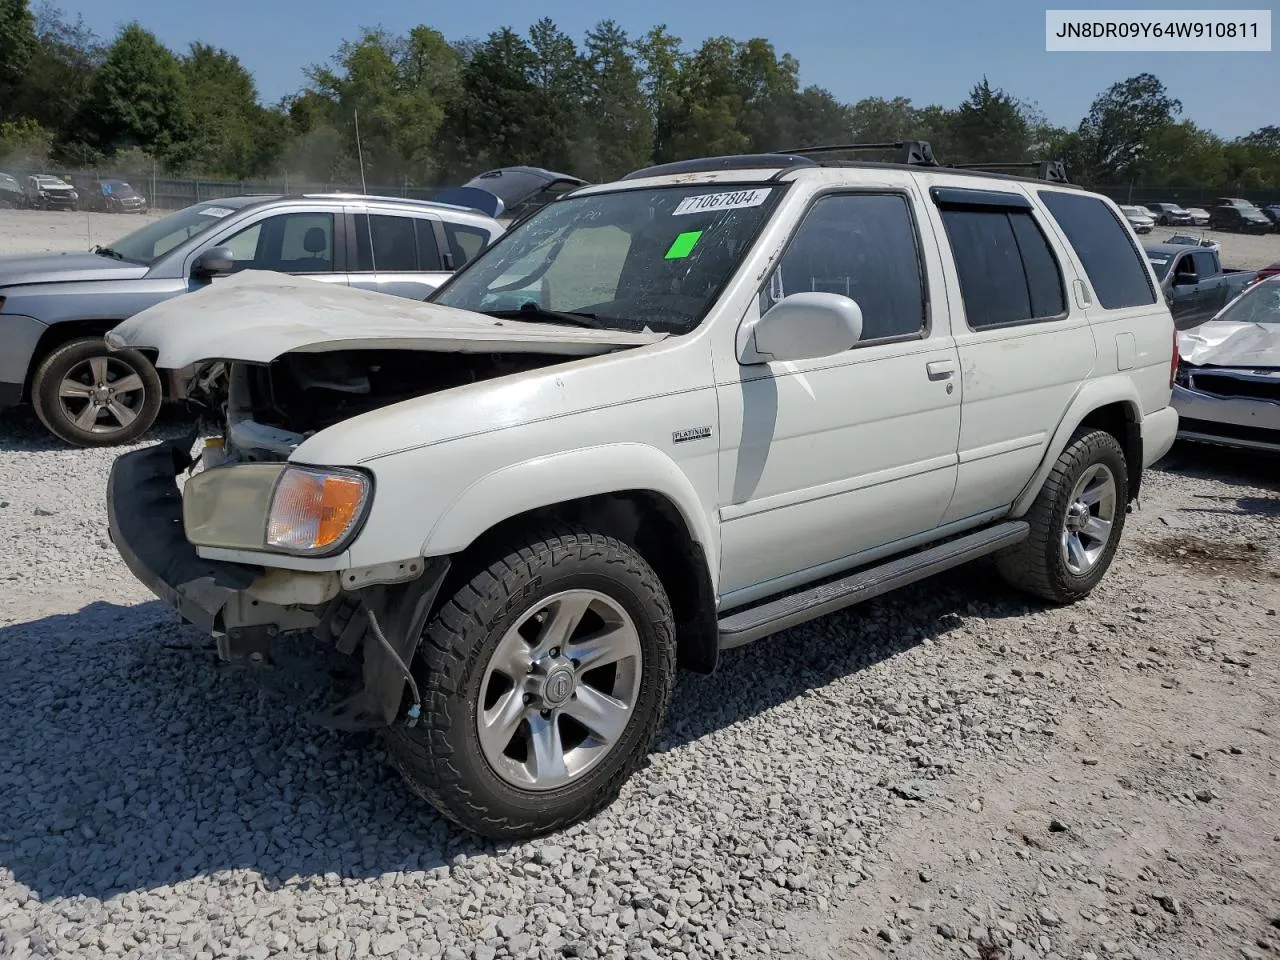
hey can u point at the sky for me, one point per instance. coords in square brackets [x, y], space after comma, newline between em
[930, 52]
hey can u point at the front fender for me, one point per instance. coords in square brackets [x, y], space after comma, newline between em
[1091, 396]
[571, 475]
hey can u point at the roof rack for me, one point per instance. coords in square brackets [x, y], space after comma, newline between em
[911, 152]
[1054, 171]
[740, 161]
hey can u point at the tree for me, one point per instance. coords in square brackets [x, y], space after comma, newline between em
[662, 62]
[619, 120]
[24, 144]
[222, 102]
[813, 116]
[1120, 123]
[139, 98]
[59, 71]
[989, 127]
[487, 125]
[17, 46]
[557, 80]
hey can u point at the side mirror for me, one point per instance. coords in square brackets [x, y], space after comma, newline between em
[214, 262]
[803, 326]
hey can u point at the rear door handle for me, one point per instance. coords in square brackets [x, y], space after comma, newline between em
[940, 369]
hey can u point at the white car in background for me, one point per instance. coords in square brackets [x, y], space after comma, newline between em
[1140, 219]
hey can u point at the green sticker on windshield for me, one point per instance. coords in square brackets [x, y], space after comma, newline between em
[683, 245]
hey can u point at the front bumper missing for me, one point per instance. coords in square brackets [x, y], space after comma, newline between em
[144, 517]
[232, 601]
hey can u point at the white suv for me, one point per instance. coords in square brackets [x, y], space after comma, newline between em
[660, 418]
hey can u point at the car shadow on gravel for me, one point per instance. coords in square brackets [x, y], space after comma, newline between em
[131, 759]
[22, 432]
[780, 668]
[1247, 468]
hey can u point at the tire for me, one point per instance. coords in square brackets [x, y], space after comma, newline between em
[1041, 565]
[462, 658]
[75, 369]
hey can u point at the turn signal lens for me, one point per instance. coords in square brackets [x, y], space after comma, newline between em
[313, 511]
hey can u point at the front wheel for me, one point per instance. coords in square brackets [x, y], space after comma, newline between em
[546, 676]
[1076, 521]
[92, 397]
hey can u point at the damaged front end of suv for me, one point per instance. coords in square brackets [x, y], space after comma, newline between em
[246, 531]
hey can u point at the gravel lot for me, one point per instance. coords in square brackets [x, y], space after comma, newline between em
[949, 772]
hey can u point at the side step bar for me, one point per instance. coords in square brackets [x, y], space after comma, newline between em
[745, 626]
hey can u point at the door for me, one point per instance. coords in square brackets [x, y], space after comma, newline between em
[1024, 345]
[1212, 283]
[823, 459]
[1186, 294]
[397, 254]
[298, 242]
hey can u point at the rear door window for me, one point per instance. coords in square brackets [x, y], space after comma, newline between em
[1008, 273]
[1206, 266]
[1111, 261]
[391, 244]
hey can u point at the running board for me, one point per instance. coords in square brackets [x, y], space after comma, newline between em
[746, 626]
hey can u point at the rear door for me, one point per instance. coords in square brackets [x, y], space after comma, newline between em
[397, 253]
[1024, 343]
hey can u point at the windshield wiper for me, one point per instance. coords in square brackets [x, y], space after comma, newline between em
[108, 252]
[533, 313]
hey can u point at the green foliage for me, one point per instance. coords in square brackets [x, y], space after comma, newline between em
[139, 98]
[428, 110]
[17, 46]
[24, 144]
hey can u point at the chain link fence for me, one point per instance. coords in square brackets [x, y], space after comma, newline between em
[174, 193]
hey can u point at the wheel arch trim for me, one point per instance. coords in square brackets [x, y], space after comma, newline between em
[1091, 397]
[567, 476]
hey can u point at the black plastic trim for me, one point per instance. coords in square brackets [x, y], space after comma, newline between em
[772, 616]
[964, 197]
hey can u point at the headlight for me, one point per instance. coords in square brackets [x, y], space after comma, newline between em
[74, 195]
[310, 511]
[315, 510]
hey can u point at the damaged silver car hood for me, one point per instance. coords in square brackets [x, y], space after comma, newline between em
[1220, 343]
[257, 316]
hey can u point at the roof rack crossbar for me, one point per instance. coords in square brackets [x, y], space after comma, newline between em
[1053, 171]
[912, 152]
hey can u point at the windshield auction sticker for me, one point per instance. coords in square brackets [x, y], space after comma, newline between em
[732, 200]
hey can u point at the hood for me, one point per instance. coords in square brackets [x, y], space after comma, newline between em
[1220, 343]
[257, 316]
[52, 186]
[64, 267]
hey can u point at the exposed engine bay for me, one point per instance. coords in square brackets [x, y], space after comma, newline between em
[270, 409]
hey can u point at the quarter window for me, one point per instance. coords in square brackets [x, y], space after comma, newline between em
[1008, 274]
[1112, 263]
[464, 242]
[859, 246]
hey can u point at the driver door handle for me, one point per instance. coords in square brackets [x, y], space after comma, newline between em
[940, 369]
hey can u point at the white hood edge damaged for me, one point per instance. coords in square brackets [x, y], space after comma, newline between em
[1220, 343]
[257, 316]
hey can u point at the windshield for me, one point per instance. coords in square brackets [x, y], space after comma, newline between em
[156, 239]
[1160, 261]
[1260, 304]
[631, 260]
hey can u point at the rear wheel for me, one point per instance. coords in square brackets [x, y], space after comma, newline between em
[92, 397]
[1076, 521]
[546, 676]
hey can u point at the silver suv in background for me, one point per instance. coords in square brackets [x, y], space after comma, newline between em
[55, 307]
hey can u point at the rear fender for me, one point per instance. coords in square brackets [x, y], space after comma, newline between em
[1092, 396]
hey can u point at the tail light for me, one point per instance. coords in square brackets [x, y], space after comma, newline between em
[1173, 363]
